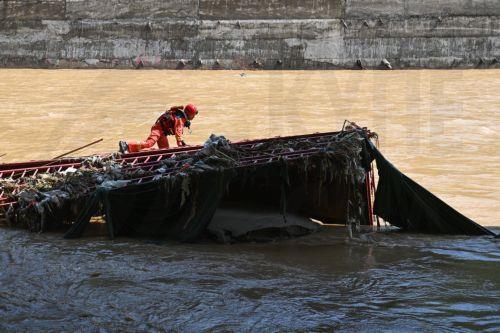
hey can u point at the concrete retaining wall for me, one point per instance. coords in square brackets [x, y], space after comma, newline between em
[250, 33]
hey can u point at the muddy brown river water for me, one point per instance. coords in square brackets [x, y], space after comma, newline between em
[439, 127]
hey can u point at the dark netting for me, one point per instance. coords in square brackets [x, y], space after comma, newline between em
[327, 186]
[322, 177]
[407, 205]
[178, 206]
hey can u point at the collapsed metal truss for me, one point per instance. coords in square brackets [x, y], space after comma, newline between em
[151, 160]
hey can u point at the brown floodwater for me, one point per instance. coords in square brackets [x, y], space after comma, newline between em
[439, 127]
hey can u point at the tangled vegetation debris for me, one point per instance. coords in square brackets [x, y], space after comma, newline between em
[323, 176]
[52, 201]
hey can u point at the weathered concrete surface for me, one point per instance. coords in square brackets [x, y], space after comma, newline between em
[244, 33]
[269, 9]
[452, 7]
[426, 8]
[32, 9]
[126, 9]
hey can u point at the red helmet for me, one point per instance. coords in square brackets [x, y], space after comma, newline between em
[190, 110]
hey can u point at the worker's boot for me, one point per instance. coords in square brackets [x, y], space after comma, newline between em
[123, 147]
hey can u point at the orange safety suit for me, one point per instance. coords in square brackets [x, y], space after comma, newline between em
[171, 122]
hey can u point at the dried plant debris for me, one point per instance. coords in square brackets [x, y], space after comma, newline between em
[52, 200]
[39, 197]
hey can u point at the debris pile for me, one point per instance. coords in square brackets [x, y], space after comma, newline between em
[176, 193]
[188, 185]
[48, 201]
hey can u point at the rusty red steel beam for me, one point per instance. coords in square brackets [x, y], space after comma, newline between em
[29, 171]
[137, 162]
[266, 153]
[22, 172]
[41, 163]
[252, 160]
[136, 157]
[257, 159]
[149, 166]
[8, 168]
[247, 161]
[30, 164]
[238, 143]
[259, 156]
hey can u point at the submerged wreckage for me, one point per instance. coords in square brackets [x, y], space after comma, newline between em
[175, 193]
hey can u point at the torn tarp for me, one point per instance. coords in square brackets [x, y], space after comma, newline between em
[405, 204]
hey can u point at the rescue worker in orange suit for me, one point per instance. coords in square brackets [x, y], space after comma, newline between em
[172, 122]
